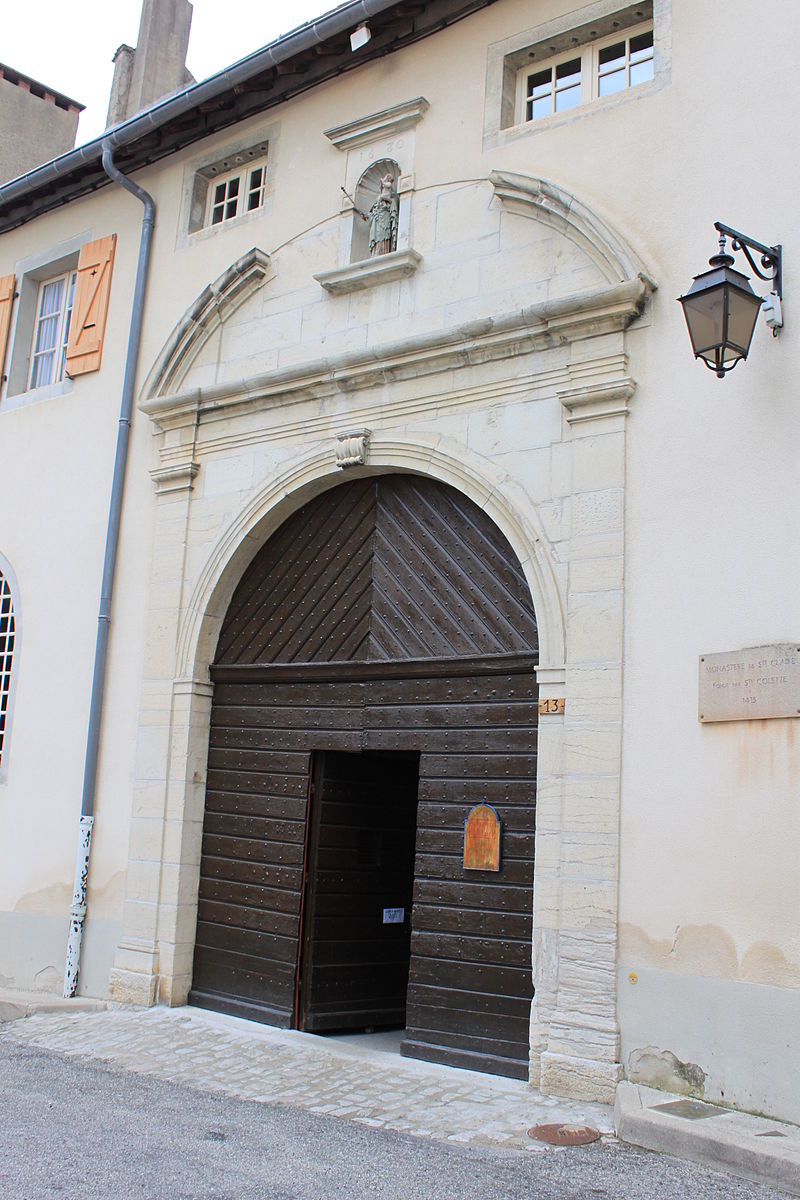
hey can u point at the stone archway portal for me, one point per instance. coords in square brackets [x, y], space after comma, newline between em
[374, 681]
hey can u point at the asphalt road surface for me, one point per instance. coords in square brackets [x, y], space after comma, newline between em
[72, 1130]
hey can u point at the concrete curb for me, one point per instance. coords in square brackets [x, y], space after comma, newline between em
[16, 1005]
[753, 1148]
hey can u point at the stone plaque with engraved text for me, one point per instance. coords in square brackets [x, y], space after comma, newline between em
[750, 685]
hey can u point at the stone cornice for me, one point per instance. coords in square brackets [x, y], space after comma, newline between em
[176, 477]
[543, 201]
[377, 126]
[540, 327]
[590, 402]
[215, 304]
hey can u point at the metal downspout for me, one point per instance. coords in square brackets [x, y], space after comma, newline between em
[78, 911]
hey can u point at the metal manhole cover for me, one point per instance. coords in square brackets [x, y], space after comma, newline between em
[564, 1135]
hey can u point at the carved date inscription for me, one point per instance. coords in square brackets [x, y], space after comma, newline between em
[750, 685]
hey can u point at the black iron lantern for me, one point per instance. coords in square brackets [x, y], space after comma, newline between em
[721, 309]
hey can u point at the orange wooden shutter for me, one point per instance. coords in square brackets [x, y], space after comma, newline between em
[6, 304]
[90, 307]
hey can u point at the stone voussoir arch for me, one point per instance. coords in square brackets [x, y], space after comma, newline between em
[501, 497]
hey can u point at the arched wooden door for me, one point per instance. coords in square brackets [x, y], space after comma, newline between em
[374, 681]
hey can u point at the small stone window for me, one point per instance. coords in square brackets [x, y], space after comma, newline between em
[592, 58]
[599, 68]
[230, 188]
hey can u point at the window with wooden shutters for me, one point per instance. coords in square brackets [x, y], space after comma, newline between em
[7, 283]
[90, 307]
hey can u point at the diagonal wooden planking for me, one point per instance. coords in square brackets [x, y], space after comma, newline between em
[389, 568]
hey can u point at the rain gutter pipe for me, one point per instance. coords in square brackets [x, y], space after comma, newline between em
[78, 911]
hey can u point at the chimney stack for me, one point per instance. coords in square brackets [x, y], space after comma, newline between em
[157, 67]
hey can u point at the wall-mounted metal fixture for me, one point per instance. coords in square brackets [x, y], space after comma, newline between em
[359, 37]
[721, 308]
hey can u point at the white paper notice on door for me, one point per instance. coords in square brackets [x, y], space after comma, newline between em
[394, 916]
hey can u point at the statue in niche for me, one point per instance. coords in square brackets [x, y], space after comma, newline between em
[382, 217]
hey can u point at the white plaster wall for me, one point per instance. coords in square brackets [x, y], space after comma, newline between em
[56, 458]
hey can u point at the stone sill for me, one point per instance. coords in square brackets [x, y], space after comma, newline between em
[370, 272]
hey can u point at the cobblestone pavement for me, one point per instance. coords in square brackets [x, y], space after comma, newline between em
[348, 1078]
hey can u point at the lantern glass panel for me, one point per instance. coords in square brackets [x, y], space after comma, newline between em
[704, 317]
[742, 317]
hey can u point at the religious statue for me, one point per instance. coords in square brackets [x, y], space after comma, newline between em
[381, 218]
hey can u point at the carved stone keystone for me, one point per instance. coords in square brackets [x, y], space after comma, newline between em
[351, 448]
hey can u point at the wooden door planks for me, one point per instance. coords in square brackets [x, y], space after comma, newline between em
[470, 977]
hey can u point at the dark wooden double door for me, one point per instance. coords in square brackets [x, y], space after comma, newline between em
[374, 681]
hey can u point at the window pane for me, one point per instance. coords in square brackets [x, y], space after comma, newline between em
[615, 82]
[568, 98]
[42, 371]
[219, 194]
[50, 302]
[46, 332]
[255, 178]
[568, 73]
[641, 72]
[612, 57]
[642, 46]
[540, 108]
[540, 84]
[233, 187]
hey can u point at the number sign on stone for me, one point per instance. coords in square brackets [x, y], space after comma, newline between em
[750, 685]
[482, 839]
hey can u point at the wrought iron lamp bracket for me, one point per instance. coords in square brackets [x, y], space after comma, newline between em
[771, 256]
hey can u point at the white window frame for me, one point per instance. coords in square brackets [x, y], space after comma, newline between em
[590, 72]
[245, 190]
[61, 320]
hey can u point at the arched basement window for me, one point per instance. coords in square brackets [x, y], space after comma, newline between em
[7, 638]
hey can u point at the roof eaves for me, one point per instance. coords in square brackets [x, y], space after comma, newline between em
[341, 20]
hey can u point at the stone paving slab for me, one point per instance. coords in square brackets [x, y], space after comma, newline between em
[376, 1088]
[15, 1004]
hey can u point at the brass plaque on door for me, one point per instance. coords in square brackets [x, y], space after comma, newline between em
[482, 839]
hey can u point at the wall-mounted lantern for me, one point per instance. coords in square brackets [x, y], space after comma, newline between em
[721, 308]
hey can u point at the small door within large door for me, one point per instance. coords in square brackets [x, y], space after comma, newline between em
[359, 883]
